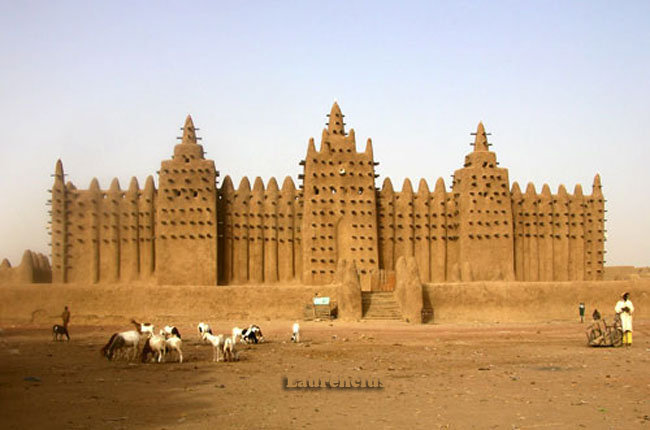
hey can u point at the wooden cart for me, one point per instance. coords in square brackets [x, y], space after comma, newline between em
[602, 334]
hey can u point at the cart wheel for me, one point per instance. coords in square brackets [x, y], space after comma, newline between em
[617, 337]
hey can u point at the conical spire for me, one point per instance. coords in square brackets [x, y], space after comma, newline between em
[597, 187]
[115, 186]
[227, 185]
[94, 185]
[189, 132]
[134, 187]
[515, 190]
[244, 185]
[311, 147]
[258, 185]
[530, 190]
[546, 191]
[440, 186]
[480, 141]
[369, 150]
[272, 188]
[58, 170]
[387, 186]
[288, 186]
[423, 187]
[149, 186]
[407, 188]
[577, 191]
[335, 125]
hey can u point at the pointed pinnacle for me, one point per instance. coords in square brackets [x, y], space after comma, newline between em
[189, 132]
[336, 120]
[480, 141]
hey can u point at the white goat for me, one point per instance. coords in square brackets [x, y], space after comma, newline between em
[229, 350]
[296, 333]
[217, 344]
[156, 345]
[174, 344]
[237, 333]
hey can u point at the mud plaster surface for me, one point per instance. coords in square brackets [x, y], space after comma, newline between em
[525, 376]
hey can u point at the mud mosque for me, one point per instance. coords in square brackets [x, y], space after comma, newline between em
[191, 230]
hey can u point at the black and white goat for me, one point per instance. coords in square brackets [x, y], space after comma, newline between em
[58, 331]
[203, 328]
[143, 328]
[121, 341]
[170, 330]
[253, 334]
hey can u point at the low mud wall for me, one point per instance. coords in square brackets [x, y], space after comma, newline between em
[451, 303]
[531, 301]
[106, 304]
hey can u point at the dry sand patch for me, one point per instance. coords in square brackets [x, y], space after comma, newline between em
[434, 376]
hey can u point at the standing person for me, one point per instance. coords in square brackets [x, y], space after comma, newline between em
[65, 316]
[624, 308]
[581, 309]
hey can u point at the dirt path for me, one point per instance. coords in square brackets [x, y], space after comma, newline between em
[527, 376]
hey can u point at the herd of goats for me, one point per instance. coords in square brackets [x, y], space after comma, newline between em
[168, 341]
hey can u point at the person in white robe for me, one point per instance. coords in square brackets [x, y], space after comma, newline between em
[624, 308]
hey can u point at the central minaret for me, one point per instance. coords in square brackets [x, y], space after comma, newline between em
[339, 215]
[186, 217]
[481, 191]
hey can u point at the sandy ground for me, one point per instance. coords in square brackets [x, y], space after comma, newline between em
[498, 376]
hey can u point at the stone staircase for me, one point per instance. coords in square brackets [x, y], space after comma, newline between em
[380, 306]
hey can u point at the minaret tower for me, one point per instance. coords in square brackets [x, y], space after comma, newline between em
[59, 226]
[186, 217]
[481, 190]
[339, 215]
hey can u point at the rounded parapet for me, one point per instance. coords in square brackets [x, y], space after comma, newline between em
[440, 186]
[407, 187]
[244, 185]
[227, 185]
[423, 188]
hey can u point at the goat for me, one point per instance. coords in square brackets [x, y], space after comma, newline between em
[203, 328]
[120, 341]
[156, 346]
[170, 330]
[174, 344]
[252, 334]
[58, 331]
[238, 333]
[143, 327]
[229, 351]
[296, 333]
[217, 344]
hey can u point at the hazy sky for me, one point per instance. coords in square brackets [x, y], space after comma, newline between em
[564, 87]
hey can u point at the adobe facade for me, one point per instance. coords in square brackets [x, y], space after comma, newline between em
[193, 231]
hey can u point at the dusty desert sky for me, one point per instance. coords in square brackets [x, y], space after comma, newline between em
[562, 86]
